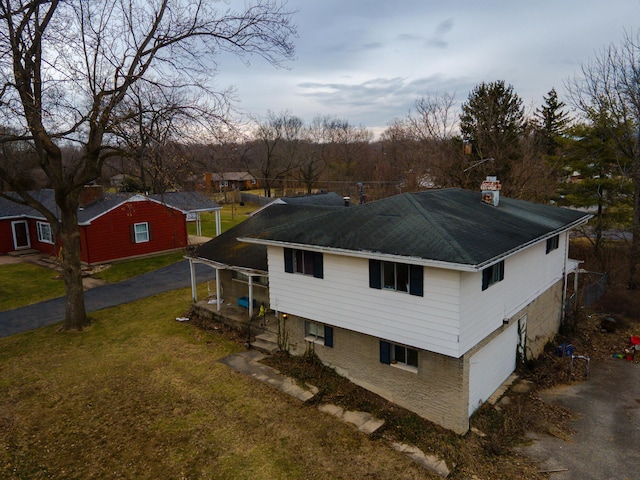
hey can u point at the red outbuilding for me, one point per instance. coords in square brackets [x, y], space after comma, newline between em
[113, 226]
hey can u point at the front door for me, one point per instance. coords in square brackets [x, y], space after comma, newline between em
[20, 234]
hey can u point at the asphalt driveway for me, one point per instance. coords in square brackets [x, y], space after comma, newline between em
[606, 442]
[52, 311]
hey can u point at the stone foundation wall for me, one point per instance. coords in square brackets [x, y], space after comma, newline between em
[438, 391]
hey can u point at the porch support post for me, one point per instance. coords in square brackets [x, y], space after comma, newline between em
[198, 225]
[218, 223]
[250, 295]
[218, 291]
[192, 271]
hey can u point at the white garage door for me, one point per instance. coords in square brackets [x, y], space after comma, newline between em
[491, 366]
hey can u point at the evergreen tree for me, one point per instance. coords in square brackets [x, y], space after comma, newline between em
[552, 121]
[492, 120]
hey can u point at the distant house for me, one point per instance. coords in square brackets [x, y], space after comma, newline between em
[113, 226]
[227, 181]
[427, 299]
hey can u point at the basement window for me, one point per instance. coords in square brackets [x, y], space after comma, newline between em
[399, 356]
[318, 333]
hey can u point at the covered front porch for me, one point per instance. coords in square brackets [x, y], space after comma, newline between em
[238, 298]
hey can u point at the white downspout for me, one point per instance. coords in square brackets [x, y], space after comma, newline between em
[192, 271]
[218, 223]
[218, 291]
[566, 275]
[250, 295]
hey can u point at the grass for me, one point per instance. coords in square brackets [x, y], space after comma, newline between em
[230, 216]
[125, 269]
[24, 283]
[139, 395]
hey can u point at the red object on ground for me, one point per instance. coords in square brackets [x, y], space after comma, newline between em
[635, 340]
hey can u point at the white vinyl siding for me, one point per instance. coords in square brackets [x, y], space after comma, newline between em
[528, 274]
[491, 366]
[344, 299]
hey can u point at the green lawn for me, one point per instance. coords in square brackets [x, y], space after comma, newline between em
[122, 270]
[24, 283]
[139, 395]
[230, 216]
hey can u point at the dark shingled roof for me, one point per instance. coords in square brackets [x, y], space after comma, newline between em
[227, 250]
[450, 225]
[328, 199]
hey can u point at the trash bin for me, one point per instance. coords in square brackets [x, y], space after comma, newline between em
[564, 350]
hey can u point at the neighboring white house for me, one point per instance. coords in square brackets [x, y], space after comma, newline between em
[423, 298]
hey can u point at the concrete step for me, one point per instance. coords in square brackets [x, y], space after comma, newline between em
[24, 252]
[266, 342]
[268, 337]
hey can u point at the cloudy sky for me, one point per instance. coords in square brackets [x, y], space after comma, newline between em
[367, 61]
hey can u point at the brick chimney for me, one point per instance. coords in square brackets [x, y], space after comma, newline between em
[90, 193]
[491, 191]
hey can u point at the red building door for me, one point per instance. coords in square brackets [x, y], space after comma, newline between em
[20, 234]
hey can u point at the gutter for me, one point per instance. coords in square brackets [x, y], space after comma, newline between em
[463, 267]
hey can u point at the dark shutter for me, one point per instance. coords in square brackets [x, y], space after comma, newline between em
[385, 352]
[486, 278]
[501, 267]
[416, 280]
[149, 231]
[328, 336]
[318, 270]
[132, 233]
[375, 274]
[288, 260]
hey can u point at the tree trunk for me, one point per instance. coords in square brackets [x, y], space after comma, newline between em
[634, 256]
[75, 316]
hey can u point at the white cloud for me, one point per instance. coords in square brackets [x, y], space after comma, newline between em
[368, 61]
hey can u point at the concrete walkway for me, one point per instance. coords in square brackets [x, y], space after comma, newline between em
[52, 311]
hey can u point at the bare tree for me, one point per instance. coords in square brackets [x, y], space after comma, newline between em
[160, 121]
[610, 85]
[67, 66]
[279, 137]
[348, 147]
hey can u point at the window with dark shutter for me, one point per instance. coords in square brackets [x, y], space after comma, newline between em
[400, 277]
[385, 352]
[288, 260]
[375, 274]
[303, 262]
[492, 274]
[328, 336]
[318, 268]
[416, 280]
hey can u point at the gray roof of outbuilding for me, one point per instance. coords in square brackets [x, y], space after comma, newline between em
[183, 201]
[451, 226]
[187, 201]
[227, 250]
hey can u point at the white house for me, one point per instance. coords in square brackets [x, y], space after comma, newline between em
[423, 298]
